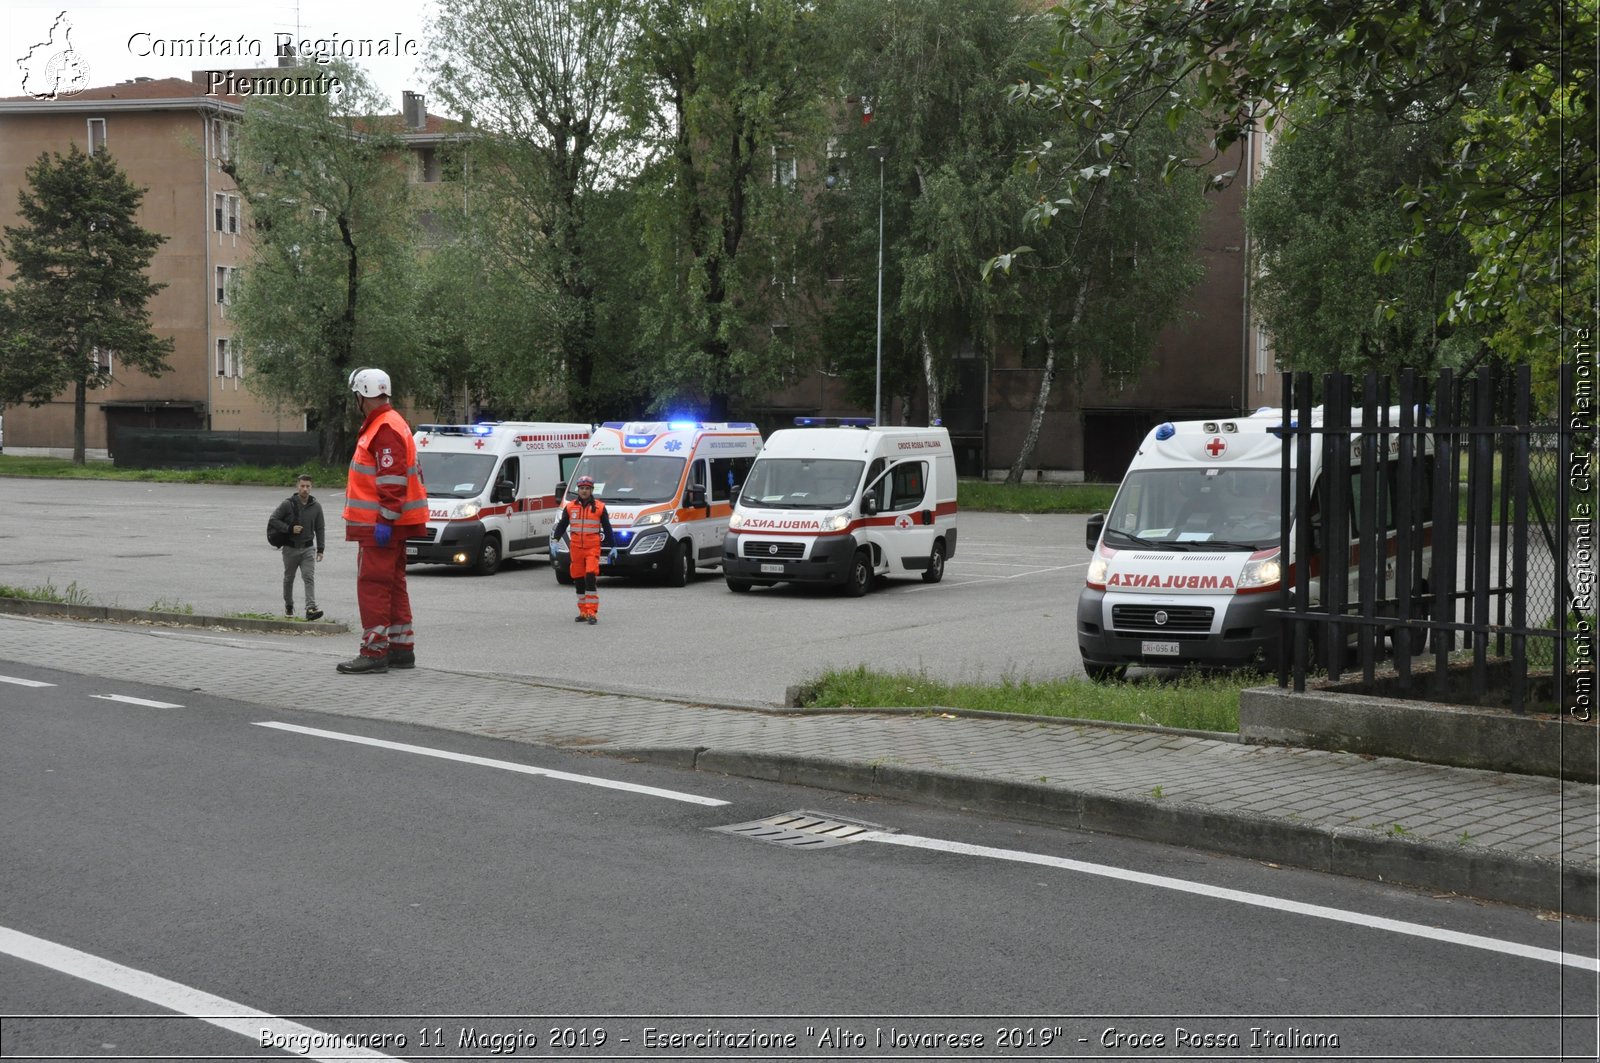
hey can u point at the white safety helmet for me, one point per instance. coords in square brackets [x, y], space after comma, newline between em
[369, 383]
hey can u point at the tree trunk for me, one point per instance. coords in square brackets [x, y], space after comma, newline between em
[1046, 384]
[80, 403]
[932, 378]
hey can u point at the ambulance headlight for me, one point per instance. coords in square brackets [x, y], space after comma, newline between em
[736, 522]
[465, 511]
[1098, 568]
[650, 519]
[835, 522]
[1260, 573]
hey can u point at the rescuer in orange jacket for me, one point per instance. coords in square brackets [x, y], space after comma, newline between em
[385, 503]
[588, 529]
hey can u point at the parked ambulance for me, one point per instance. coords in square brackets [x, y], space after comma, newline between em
[841, 501]
[668, 487]
[1186, 564]
[491, 490]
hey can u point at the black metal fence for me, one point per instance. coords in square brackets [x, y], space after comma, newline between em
[185, 448]
[1458, 499]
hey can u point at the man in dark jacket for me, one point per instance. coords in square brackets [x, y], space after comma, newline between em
[300, 517]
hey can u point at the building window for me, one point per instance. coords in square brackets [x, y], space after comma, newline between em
[429, 169]
[102, 360]
[227, 208]
[97, 135]
[221, 141]
[228, 360]
[785, 169]
[225, 280]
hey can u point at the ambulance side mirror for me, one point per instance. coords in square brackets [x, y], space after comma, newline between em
[1097, 524]
[503, 493]
[697, 496]
[869, 504]
[561, 489]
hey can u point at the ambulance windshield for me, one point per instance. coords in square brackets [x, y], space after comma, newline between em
[1181, 508]
[802, 483]
[455, 475]
[629, 479]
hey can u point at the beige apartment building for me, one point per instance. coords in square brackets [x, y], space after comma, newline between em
[171, 138]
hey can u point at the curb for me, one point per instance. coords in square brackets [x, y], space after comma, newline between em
[30, 607]
[1485, 874]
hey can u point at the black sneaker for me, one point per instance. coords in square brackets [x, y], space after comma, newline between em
[580, 619]
[288, 611]
[402, 658]
[364, 666]
[592, 619]
[313, 614]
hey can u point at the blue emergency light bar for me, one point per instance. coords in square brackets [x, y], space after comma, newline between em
[834, 422]
[483, 429]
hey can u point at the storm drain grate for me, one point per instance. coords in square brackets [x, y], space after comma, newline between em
[803, 830]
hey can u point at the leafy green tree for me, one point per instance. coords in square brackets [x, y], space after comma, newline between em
[725, 96]
[331, 282]
[1325, 210]
[80, 287]
[1517, 184]
[933, 78]
[539, 84]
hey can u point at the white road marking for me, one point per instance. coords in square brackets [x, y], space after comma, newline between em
[248, 1022]
[504, 765]
[23, 682]
[124, 699]
[1260, 900]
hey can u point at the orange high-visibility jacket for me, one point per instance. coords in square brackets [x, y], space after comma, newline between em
[385, 486]
[585, 526]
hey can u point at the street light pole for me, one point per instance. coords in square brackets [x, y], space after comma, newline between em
[877, 396]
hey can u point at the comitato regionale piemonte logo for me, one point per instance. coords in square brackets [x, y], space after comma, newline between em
[51, 69]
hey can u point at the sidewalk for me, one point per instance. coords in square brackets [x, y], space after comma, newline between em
[1522, 839]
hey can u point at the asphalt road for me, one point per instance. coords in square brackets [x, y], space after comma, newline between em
[314, 879]
[1004, 609]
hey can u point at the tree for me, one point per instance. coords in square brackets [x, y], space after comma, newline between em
[1516, 185]
[539, 83]
[725, 96]
[330, 285]
[934, 78]
[78, 304]
[1322, 214]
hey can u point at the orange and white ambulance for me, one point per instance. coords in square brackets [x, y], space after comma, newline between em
[1187, 562]
[840, 501]
[668, 487]
[492, 489]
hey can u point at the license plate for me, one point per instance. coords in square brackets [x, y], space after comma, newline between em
[411, 551]
[769, 567]
[1159, 649]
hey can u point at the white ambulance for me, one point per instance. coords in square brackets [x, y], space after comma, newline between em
[841, 501]
[491, 490]
[1186, 564]
[668, 487]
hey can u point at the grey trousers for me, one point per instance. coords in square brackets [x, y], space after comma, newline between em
[301, 559]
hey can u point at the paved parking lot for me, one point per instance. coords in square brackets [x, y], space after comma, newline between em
[1004, 609]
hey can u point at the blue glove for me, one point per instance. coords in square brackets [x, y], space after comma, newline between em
[381, 534]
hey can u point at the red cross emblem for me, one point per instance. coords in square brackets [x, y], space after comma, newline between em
[422, 442]
[1216, 446]
[478, 443]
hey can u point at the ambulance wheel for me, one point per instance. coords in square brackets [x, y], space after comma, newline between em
[680, 564]
[563, 573]
[859, 581]
[935, 570]
[488, 556]
[738, 586]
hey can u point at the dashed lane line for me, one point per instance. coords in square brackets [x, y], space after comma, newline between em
[23, 682]
[143, 702]
[503, 765]
[262, 1028]
[1259, 900]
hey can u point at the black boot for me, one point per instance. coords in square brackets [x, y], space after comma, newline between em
[402, 658]
[364, 666]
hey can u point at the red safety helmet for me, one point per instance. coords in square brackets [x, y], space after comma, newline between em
[584, 481]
